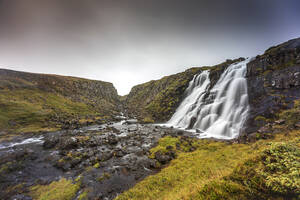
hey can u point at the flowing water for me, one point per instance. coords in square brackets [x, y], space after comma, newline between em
[219, 112]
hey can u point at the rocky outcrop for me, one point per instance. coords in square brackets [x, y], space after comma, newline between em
[273, 83]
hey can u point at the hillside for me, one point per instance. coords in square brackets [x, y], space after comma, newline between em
[33, 102]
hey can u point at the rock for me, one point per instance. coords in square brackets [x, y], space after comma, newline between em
[131, 121]
[21, 197]
[280, 122]
[192, 122]
[264, 129]
[297, 125]
[169, 147]
[252, 137]
[198, 131]
[50, 142]
[162, 158]
[66, 143]
[105, 156]
[112, 139]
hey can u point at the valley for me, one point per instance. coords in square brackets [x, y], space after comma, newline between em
[229, 131]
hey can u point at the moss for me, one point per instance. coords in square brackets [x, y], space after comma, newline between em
[97, 165]
[147, 120]
[58, 190]
[291, 116]
[260, 118]
[84, 195]
[103, 177]
[163, 144]
[5, 167]
[280, 168]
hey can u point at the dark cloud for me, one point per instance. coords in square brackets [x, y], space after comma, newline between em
[132, 41]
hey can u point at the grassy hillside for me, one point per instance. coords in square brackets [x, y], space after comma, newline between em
[36, 102]
[267, 169]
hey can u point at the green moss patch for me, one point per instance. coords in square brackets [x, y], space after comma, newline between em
[58, 190]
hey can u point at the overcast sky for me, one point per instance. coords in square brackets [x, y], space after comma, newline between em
[128, 42]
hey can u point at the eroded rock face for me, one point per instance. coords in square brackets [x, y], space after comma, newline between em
[273, 82]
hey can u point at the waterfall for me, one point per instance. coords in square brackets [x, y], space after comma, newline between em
[219, 112]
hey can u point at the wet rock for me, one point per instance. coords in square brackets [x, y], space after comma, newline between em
[66, 143]
[198, 131]
[131, 121]
[105, 156]
[192, 122]
[50, 142]
[112, 139]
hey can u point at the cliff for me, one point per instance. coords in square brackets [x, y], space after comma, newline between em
[274, 84]
[29, 102]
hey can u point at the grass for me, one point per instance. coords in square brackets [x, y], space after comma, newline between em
[58, 190]
[163, 144]
[291, 116]
[211, 170]
[25, 110]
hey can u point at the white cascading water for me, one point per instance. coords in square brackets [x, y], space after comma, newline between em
[220, 112]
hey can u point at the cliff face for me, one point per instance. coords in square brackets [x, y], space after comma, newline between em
[27, 98]
[156, 101]
[273, 83]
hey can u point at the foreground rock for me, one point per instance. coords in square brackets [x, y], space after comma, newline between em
[107, 159]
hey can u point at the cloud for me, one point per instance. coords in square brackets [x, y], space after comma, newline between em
[133, 41]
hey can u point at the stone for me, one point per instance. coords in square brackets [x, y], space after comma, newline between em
[50, 142]
[66, 143]
[163, 159]
[280, 122]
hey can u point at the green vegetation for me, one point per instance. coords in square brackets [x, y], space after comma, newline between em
[58, 190]
[97, 165]
[163, 144]
[37, 102]
[147, 120]
[291, 116]
[267, 169]
[175, 144]
[30, 110]
[83, 195]
[103, 177]
[156, 100]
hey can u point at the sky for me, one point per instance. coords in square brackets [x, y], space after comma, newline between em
[128, 42]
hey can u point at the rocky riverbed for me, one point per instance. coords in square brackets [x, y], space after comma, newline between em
[108, 158]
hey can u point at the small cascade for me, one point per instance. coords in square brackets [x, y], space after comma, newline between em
[219, 112]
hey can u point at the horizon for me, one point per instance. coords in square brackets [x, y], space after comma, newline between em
[131, 42]
[41, 73]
